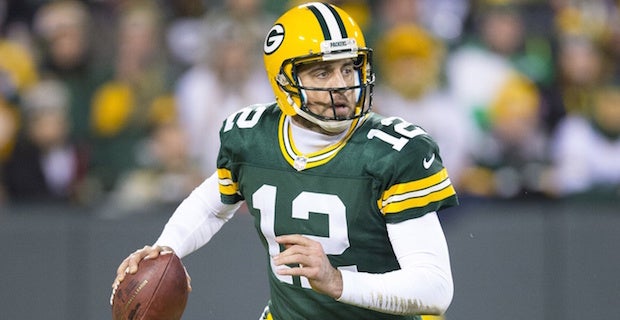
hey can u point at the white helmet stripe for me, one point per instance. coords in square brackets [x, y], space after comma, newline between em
[330, 21]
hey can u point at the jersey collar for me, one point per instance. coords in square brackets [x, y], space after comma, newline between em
[301, 161]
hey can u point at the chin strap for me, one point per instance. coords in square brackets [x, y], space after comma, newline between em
[329, 126]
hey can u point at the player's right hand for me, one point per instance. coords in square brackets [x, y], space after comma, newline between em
[130, 264]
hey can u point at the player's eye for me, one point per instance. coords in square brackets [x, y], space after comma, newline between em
[348, 70]
[321, 74]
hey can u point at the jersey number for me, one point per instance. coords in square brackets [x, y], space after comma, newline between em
[264, 200]
[249, 117]
[402, 128]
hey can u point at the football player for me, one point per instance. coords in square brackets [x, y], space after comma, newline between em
[344, 200]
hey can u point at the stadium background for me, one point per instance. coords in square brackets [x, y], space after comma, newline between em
[518, 251]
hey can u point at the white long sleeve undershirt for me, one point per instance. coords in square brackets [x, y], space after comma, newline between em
[197, 219]
[424, 283]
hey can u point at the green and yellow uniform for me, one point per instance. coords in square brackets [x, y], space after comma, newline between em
[384, 170]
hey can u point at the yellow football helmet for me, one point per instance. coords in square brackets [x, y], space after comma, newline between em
[315, 32]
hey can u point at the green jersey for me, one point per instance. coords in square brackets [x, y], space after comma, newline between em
[385, 170]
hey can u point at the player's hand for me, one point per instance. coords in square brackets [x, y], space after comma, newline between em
[130, 264]
[313, 264]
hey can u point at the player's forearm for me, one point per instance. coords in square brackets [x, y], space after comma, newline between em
[197, 219]
[424, 283]
[398, 292]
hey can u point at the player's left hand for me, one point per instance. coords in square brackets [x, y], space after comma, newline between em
[130, 264]
[312, 261]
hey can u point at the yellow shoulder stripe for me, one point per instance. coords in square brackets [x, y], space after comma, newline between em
[416, 185]
[416, 194]
[418, 202]
[227, 185]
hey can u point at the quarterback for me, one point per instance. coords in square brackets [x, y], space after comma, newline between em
[344, 201]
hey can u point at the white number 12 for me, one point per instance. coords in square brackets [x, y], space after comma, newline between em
[264, 199]
[401, 128]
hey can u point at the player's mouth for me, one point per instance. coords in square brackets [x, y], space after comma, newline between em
[339, 110]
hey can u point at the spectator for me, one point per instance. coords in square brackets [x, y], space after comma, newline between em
[63, 29]
[510, 157]
[122, 107]
[165, 177]
[17, 69]
[399, 12]
[583, 29]
[586, 148]
[444, 18]
[183, 32]
[478, 69]
[44, 165]
[18, 73]
[390, 14]
[229, 76]
[591, 19]
[410, 63]
[581, 67]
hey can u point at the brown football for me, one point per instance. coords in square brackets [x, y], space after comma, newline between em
[158, 291]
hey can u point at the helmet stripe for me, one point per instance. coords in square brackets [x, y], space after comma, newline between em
[343, 30]
[329, 20]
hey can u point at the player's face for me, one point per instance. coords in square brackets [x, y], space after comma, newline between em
[339, 103]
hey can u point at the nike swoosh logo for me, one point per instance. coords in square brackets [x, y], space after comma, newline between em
[427, 163]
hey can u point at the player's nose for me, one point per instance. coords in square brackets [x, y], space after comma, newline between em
[337, 80]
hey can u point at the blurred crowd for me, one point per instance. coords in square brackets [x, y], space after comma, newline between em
[118, 103]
